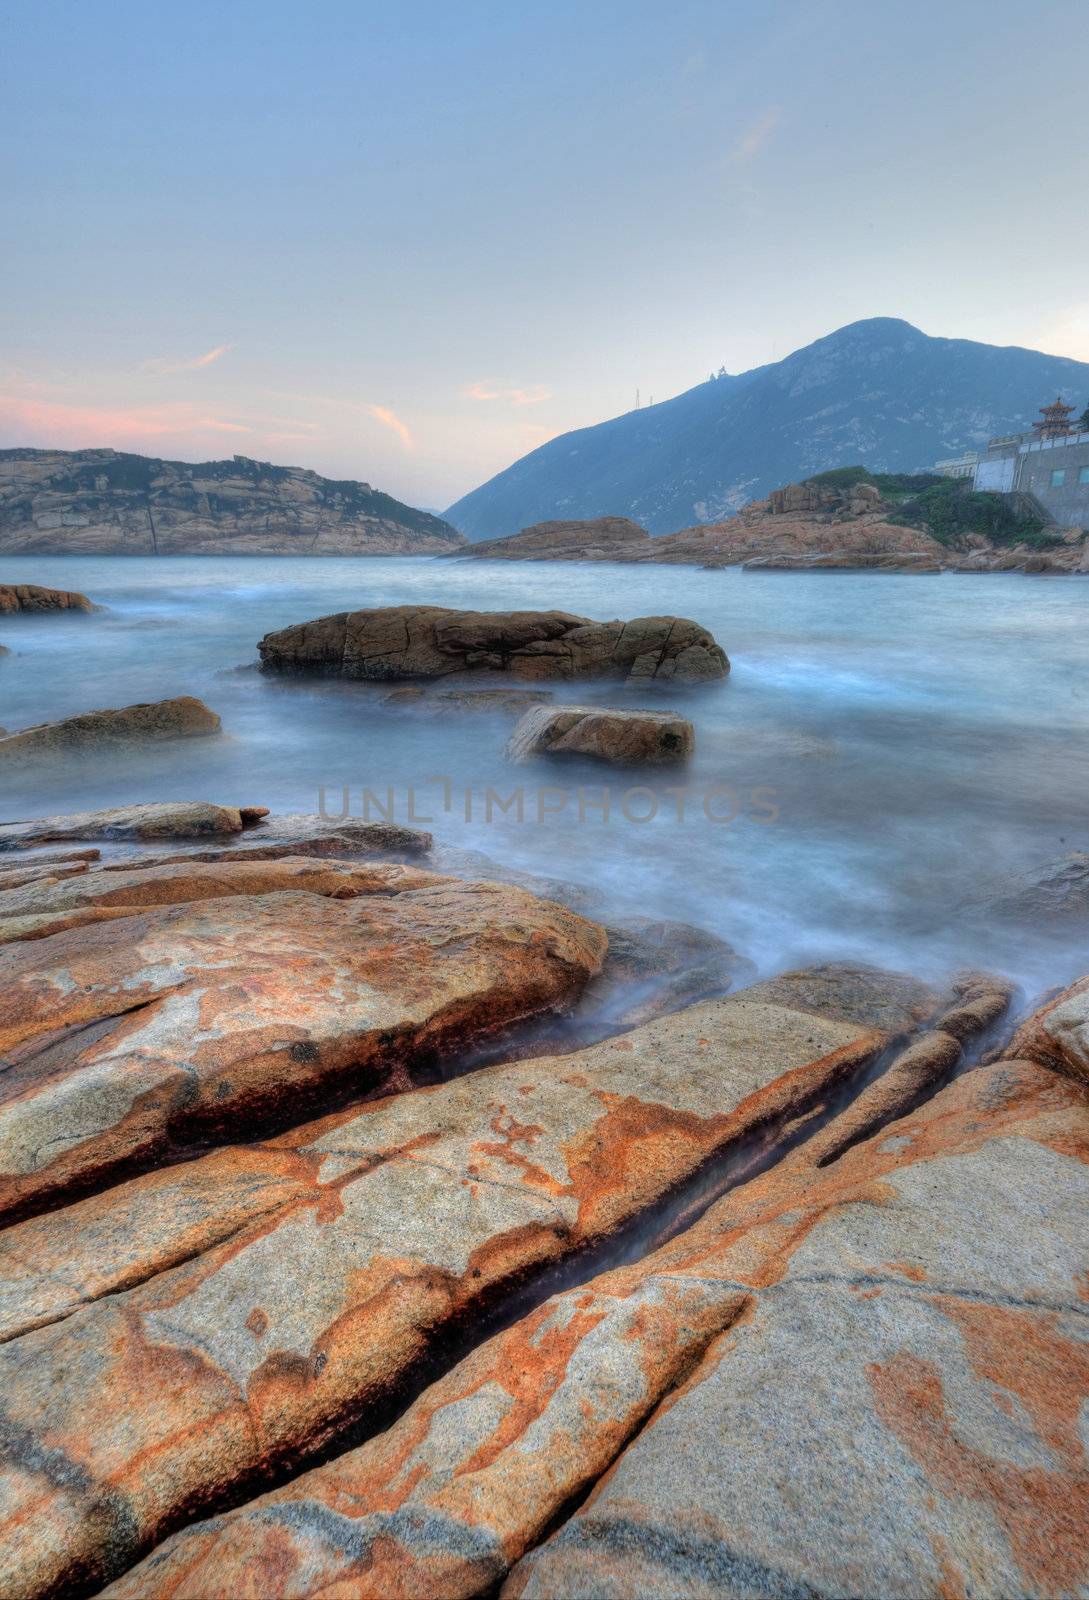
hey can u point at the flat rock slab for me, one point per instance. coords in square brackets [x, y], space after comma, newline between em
[405, 1215]
[131, 1035]
[807, 1453]
[164, 819]
[626, 738]
[407, 642]
[129, 890]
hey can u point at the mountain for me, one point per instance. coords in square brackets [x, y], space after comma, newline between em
[879, 392]
[103, 502]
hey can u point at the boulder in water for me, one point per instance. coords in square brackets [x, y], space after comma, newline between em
[410, 642]
[626, 738]
[31, 597]
[154, 723]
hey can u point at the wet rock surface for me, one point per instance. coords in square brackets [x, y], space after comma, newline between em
[157, 722]
[625, 738]
[421, 642]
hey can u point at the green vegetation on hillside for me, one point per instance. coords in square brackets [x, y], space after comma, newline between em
[946, 508]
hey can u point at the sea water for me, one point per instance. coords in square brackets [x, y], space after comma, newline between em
[884, 746]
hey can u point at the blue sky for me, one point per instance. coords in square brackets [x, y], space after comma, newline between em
[408, 243]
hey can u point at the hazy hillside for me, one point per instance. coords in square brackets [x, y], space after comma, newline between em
[877, 391]
[105, 502]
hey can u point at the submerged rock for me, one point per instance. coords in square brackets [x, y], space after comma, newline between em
[251, 1305]
[163, 819]
[31, 597]
[153, 723]
[1054, 894]
[129, 1036]
[654, 967]
[628, 738]
[413, 697]
[395, 642]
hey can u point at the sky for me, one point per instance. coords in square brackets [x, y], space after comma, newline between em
[408, 243]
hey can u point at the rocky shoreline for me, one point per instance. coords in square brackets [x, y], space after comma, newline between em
[739, 1230]
[377, 1220]
[800, 528]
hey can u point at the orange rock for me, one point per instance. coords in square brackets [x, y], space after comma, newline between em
[231, 1347]
[126, 1037]
[729, 1443]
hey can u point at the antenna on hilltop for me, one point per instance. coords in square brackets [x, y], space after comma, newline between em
[637, 399]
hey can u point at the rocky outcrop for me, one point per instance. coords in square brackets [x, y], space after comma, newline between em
[863, 1353]
[626, 738]
[248, 988]
[243, 1309]
[30, 597]
[597, 539]
[406, 642]
[164, 819]
[155, 723]
[103, 502]
[814, 496]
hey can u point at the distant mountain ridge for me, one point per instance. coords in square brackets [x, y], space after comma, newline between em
[108, 502]
[878, 391]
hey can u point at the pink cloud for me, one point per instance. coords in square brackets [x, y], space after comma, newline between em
[485, 390]
[162, 364]
[390, 419]
[77, 426]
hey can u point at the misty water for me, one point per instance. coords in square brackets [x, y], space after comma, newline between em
[884, 746]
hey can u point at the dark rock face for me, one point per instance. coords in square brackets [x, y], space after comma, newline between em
[625, 738]
[406, 642]
[600, 539]
[154, 723]
[104, 502]
[31, 597]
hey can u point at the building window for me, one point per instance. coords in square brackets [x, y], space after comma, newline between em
[1083, 474]
[1058, 478]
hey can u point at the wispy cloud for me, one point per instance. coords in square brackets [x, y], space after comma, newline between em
[484, 389]
[756, 136]
[55, 422]
[390, 419]
[164, 364]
